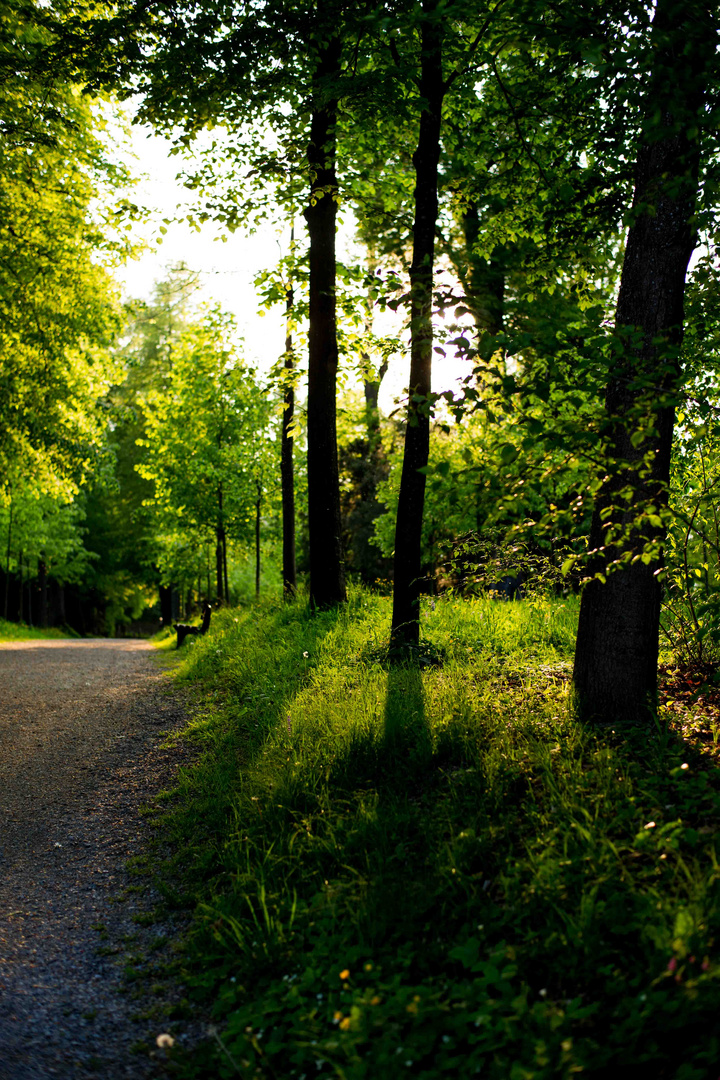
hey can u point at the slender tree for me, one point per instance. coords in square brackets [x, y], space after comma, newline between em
[408, 534]
[287, 472]
[327, 580]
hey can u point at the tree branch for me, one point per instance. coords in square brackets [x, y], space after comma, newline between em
[478, 38]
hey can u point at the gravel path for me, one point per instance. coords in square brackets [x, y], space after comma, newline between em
[81, 727]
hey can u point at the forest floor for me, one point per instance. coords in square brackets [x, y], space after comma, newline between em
[368, 871]
[82, 731]
[432, 869]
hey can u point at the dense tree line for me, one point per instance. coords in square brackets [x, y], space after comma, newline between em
[517, 173]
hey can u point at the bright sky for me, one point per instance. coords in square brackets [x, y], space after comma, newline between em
[226, 268]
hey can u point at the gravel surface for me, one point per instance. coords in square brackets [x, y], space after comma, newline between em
[81, 729]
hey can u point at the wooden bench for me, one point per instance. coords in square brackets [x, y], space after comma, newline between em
[184, 629]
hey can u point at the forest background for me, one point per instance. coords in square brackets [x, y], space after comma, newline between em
[525, 187]
[387, 753]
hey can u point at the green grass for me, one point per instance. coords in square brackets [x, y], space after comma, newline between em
[10, 631]
[423, 873]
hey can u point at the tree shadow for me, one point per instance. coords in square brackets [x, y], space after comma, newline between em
[406, 728]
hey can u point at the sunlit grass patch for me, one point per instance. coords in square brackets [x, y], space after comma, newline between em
[437, 860]
[10, 631]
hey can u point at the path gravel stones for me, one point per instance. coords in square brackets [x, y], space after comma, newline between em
[82, 724]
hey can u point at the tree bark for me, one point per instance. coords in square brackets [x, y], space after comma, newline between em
[20, 572]
[484, 282]
[405, 630]
[7, 561]
[42, 576]
[220, 549]
[258, 505]
[327, 578]
[225, 569]
[287, 473]
[219, 564]
[166, 612]
[615, 675]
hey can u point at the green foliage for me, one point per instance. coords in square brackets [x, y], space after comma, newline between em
[58, 304]
[209, 448]
[692, 602]
[10, 631]
[398, 872]
[43, 527]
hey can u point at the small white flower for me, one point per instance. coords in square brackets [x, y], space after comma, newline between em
[307, 654]
[650, 825]
[165, 1041]
[542, 993]
[56, 844]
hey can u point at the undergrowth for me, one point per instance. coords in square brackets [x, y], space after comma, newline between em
[399, 871]
[10, 631]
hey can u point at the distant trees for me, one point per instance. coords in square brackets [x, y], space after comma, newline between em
[235, 68]
[488, 152]
[207, 444]
[59, 308]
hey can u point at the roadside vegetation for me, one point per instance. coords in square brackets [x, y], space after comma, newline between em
[432, 869]
[11, 631]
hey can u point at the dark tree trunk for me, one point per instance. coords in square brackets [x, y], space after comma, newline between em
[327, 579]
[166, 612]
[258, 505]
[484, 281]
[220, 550]
[225, 569]
[287, 473]
[408, 533]
[219, 564]
[20, 572]
[7, 561]
[615, 676]
[42, 576]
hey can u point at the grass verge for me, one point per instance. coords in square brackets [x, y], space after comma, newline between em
[427, 872]
[10, 631]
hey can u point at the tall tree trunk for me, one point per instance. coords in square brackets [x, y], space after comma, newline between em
[219, 549]
[258, 505]
[483, 281]
[327, 578]
[615, 675]
[20, 572]
[408, 532]
[7, 561]
[287, 473]
[166, 613]
[219, 564]
[207, 568]
[225, 569]
[42, 575]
